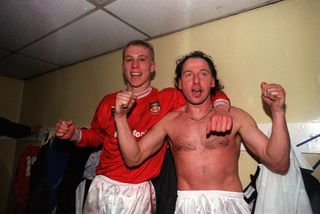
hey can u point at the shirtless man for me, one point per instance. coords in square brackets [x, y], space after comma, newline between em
[207, 163]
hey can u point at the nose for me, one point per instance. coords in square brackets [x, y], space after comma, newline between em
[135, 63]
[196, 79]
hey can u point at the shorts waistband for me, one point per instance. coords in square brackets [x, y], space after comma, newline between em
[109, 180]
[218, 193]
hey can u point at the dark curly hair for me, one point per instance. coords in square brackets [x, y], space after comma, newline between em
[208, 59]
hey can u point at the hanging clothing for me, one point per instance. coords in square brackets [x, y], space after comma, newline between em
[73, 175]
[22, 177]
[285, 194]
[166, 186]
[88, 175]
[54, 177]
[313, 189]
[250, 192]
[46, 175]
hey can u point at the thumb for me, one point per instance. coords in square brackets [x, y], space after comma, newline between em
[263, 88]
[263, 84]
[132, 102]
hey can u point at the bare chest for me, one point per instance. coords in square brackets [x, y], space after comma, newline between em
[192, 135]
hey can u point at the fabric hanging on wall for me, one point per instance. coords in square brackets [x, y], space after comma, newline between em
[66, 197]
[46, 175]
[165, 185]
[313, 189]
[22, 177]
[54, 177]
[88, 175]
[285, 194]
[250, 192]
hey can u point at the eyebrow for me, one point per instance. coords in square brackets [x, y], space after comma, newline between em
[142, 55]
[185, 71]
[203, 69]
[206, 70]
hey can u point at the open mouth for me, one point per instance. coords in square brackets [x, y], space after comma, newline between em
[196, 91]
[135, 74]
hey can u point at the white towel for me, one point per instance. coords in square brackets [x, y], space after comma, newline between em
[285, 194]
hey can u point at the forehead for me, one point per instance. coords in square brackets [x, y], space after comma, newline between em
[136, 50]
[195, 63]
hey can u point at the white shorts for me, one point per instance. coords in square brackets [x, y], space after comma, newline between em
[211, 201]
[107, 196]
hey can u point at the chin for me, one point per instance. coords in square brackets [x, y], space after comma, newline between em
[196, 101]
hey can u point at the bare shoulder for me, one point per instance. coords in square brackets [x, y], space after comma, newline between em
[237, 111]
[239, 114]
[172, 115]
[175, 113]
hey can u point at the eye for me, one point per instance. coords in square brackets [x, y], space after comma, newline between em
[204, 73]
[187, 74]
[128, 59]
[143, 59]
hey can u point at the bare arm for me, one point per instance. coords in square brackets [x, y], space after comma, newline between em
[135, 153]
[273, 152]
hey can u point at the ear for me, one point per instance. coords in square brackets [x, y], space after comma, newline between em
[213, 83]
[179, 85]
[153, 67]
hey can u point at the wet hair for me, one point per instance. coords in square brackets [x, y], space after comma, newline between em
[139, 43]
[197, 54]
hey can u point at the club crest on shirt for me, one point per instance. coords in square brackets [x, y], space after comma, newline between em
[154, 107]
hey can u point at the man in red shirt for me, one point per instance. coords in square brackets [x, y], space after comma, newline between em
[118, 188]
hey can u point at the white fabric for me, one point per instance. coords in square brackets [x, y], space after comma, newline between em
[211, 201]
[285, 194]
[80, 196]
[89, 173]
[107, 196]
[91, 165]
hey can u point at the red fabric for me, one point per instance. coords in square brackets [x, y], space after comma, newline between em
[22, 177]
[148, 111]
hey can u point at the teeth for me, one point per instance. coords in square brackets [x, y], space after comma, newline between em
[135, 74]
[196, 90]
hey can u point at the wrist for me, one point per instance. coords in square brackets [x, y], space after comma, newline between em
[280, 113]
[77, 135]
[119, 115]
[221, 104]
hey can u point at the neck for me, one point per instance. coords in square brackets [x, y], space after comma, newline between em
[140, 93]
[143, 93]
[198, 112]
